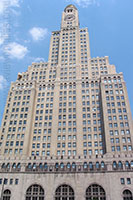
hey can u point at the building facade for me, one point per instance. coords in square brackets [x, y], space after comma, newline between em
[67, 131]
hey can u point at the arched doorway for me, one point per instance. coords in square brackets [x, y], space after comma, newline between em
[6, 195]
[95, 192]
[35, 192]
[127, 195]
[64, 192]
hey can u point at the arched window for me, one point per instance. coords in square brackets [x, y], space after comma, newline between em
[131, 164]
[85, 165]
[19, 166]
[41, 166]
[62, 165]
[127, 195]
[29, 165]
[73, 165]
[114, 165]
[56, 165]
[95, 192]
[90, 165]
[102, 165]
[97, 165]
[3, 166]
[34, 166]
[35, 192]
[8, 166]
[68, 165]
[64, 192]
[6, 195]
[14, 166]
[127, 165]
[45, 166]
[120, 165]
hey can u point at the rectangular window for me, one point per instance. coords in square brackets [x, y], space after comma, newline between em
[122, 180]
[11, 181]
[5, 181]
[128, 181]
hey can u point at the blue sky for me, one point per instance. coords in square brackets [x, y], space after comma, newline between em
[25, 35]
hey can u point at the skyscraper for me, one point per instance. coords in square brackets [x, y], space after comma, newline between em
[67, 127]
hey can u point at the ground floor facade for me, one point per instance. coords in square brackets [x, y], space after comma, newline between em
[88, 178]
[64, 186]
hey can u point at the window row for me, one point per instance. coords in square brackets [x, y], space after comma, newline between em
[120, 165]
[66, 192]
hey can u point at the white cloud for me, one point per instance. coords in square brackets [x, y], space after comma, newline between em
[39, 60]
[84, 3]
[2, 7]
[3, 32]
[4, 4]
[3, 82]
[1, 58]
[1, 39]
[15, 50]
[14, 3]
[38, 33]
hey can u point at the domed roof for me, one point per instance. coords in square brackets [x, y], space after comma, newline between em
[70, 6]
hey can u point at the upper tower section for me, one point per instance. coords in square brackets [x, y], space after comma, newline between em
[70, 17]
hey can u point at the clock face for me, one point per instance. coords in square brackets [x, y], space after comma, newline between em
[70, 17]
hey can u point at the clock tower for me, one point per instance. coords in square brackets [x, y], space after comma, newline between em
[70, 17]
[70, 45]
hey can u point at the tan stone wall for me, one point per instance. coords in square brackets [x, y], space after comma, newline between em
[78, 181]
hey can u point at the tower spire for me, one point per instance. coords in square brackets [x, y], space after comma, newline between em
[70, 17]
